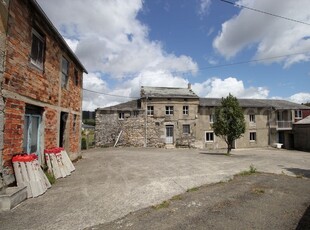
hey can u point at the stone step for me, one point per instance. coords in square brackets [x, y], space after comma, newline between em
[169, 146]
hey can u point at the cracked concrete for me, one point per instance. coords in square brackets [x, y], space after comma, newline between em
[110, 183]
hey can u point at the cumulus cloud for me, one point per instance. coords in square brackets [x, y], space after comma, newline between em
[300, 98]
[108, 37]
[216, 87]
[270, 36]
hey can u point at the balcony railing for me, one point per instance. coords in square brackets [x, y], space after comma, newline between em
[284, 124]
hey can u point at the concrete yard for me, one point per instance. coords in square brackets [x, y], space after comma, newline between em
[110, 183]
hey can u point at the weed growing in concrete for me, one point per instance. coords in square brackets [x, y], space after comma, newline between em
[164, 204]
[177, 197]
[50, 177]
[258, 191]
[192, 189]
[252, 170]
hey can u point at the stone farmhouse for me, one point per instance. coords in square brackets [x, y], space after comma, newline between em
[41, 86]
[177, 117]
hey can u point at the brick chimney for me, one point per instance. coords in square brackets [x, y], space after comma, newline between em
[189, 86]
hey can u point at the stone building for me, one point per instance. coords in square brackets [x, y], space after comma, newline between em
[177, 117]
[301, 131]
[41, 86]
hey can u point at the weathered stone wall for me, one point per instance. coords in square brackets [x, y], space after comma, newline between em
[107, 128]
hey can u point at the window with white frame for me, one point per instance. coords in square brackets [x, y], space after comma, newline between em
[169, 110]
[298, 114]
[209, 136]
[64, 72]
[252, 118]
[186, 129]
[121, 116]
[37, 49]
[211, 118]
[185, 110]
[252, 136]
[150, 110]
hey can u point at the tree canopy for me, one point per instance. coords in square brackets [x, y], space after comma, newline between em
[229, 121]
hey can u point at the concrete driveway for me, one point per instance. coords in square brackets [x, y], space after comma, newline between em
[110, 183]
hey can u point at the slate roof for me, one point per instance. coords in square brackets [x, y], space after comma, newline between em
[167, 92]
[126, 106]
[304, 121]
[255, 103]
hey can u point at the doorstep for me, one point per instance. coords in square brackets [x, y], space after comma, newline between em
[12, 197]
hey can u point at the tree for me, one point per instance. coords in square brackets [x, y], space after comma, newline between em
[229, 121]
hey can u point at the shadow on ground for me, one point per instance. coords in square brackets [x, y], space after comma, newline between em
[213, 153]
[304, 222]
[300, 172]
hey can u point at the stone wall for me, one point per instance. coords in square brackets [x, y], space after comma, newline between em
[108, 127]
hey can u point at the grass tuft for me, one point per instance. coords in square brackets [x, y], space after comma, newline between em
[164, 204]
[252, 170]
[192, 189]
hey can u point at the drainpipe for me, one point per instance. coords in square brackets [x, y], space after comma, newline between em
[145, 142]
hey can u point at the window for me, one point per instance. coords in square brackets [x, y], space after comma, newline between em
[186, 129]
[135, 113]
[298, 114]
[150, 110]
[211, 118]
[252, 118]
[121, 116]
[76, 77]
[252, 136]
[169, 110]
[37, 49]
[209, 137]
[74, 122]
[185, 110]
[64, 72]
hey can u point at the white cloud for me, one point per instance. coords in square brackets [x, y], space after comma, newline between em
[216, 87]
[115, 46]
[72, 43]
[204, 7]
[269, 35]
[108, 37]
[300, 98]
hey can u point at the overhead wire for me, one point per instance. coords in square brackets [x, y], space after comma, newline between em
[265, 12]
[204, 68]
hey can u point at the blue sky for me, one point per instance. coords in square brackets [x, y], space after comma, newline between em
[126, 44]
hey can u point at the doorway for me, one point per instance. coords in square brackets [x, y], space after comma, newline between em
[169, 134]
[62, 130]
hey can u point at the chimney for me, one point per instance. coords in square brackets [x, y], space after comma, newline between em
[189, 86]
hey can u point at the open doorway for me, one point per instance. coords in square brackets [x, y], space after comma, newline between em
[62, 130]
